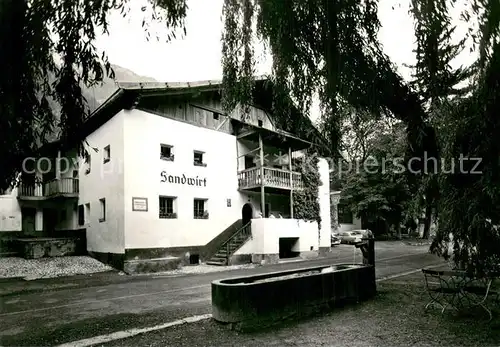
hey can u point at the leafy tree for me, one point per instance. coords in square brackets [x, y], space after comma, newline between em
[435, 81]
[47, 55]
[330, 47]
[376, 189]
[327, 47]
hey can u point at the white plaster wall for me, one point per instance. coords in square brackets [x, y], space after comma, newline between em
[10, 212]
[266, 233]
[106, 180]
[324, 203]
[144, 132]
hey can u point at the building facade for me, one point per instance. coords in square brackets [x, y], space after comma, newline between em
[171, 180]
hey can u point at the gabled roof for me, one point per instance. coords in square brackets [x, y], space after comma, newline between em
[128, 94]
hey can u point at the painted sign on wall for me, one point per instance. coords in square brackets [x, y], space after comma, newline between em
[183, 179]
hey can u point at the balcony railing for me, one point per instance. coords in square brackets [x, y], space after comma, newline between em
[275, 178]
[63, 187]
[30, 190]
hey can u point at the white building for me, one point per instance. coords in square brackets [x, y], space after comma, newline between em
[346, 220]
[171, 180]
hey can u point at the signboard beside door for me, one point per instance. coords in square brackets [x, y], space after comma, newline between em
[140, 204]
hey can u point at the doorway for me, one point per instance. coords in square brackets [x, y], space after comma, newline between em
[50, 218]
[287, 246]
[246, 213]
[28, 216]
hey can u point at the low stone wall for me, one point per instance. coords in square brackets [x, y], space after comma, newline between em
[33, 248]
[151, 265]
[256, 301]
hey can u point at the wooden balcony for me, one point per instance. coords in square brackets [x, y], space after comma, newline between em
[250, 179]
[64, 187]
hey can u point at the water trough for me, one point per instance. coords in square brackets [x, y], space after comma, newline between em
[250, 301]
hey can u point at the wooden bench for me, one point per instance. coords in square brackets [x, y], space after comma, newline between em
[458, 290]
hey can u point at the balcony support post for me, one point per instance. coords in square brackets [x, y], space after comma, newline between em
[262, 191]
[291, 180]
[58, 165]
[237, 157]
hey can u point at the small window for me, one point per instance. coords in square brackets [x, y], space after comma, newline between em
[200, 211]
[107, 154]
[102, 202]
[166, 152]
[81, 215]
[259, 122]
[88, 160]
[216, 116]
[198, 158]
[167, 208]
[87, 213]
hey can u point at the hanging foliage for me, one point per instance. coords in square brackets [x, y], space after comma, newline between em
[47, 54]
[305, 201]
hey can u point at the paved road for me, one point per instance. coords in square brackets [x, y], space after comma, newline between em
[60, 316]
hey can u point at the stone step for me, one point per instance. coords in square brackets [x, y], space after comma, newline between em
[218, 257]
[216, 263]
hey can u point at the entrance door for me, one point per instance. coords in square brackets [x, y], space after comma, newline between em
[28, 216]
[49, 220]
[246, 213]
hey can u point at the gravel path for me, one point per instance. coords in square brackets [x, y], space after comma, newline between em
[31, 269]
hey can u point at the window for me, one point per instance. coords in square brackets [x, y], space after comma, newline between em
[198, 158]
[107, 154]
[102, 202]
[259, 122]
[167, 208]
[87, 213]
[166, 152]
[216, 116]
[344, 214]
[88, 162]
[199, 209]
[81, 215]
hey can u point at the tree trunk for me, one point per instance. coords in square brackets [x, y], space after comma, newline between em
[427, 221]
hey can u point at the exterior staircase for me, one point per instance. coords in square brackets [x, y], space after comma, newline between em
[227, 249]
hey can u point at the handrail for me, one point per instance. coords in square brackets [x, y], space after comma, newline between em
[255, 168]
[237, 233]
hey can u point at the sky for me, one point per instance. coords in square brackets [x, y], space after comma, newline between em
[197, 56]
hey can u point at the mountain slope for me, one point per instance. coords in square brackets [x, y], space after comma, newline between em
[97, 95]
